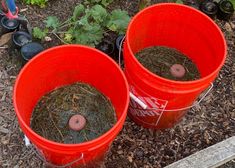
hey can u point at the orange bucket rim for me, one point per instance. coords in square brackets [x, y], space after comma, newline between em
[168, 81]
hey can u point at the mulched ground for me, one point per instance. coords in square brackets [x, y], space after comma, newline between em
[203, 126]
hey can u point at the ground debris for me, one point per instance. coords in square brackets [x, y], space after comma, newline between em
[213, 120]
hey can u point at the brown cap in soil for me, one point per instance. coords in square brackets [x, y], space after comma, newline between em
[77, 122]
[177, 70]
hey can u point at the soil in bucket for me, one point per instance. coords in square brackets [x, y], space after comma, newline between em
[168, 63]
[73, 114]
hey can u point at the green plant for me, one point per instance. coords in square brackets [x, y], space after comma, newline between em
[41, 3]
[39, 33]
[179, 2]
[102, 2]
[233, 2]
[86, 26]
[144, 3]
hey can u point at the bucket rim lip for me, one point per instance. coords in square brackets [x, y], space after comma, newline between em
[83, 144]
[165, 79]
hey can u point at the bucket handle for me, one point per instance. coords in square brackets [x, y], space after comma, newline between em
[144, 106]
[35, 150]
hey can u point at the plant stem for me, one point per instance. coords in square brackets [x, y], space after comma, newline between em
[68, 20]
[59, 38]
[57, 127]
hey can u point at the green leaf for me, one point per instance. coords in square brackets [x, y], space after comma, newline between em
[52, 22]
[84, 22]
[78, 10]
[41, 3]
[233, 2]
[118, 21]
[39, 33]
[89, 37]
[179, 2]
[68, 37]
[106, 2]
[98, 13]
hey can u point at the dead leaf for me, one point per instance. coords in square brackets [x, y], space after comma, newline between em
[5, 38]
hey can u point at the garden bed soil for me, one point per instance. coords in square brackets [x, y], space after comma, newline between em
[208, 123]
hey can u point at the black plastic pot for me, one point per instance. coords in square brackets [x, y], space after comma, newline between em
[209, 8]
[1, 15]
[192, 3]
[21, 38]
[28, 51]
[9, 25]
[226, 10]
[106, 47]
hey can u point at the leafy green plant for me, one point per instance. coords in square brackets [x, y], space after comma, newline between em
[102, 2]
[41, 3]
[86, 26]
[39, 33]
[118, 21]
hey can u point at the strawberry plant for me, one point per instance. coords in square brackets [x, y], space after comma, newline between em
[86, 26]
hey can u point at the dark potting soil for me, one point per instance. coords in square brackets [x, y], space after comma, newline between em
[159, 60]
[52, 113]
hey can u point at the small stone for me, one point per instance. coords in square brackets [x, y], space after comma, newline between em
[5, 140]
[232, 25]
[228, 27]
[120, 152]
[48, 39]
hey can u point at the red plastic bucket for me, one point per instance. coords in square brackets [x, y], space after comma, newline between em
[191, 32]
[64, 65]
